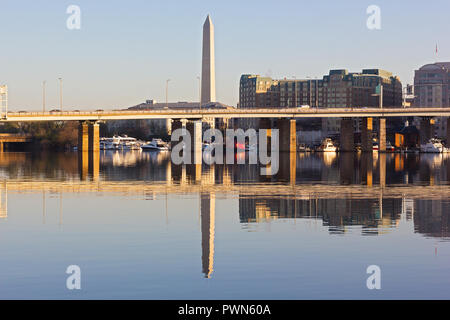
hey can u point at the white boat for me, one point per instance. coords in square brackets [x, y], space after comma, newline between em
[434, 146]
[156, 144]
[328, 146]
[302, 148]
[106, 144]
[375, 146]
[128, 143]
[119, 143]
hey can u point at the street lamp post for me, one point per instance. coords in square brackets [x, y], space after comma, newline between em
[60, 94]
[43, 95]
[4, 101]
[167, 93]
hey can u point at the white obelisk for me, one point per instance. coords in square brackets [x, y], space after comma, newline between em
[208, 68]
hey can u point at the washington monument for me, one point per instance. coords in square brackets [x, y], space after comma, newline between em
[208, 90]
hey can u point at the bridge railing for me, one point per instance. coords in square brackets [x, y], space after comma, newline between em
[180, 112]
[15, 135]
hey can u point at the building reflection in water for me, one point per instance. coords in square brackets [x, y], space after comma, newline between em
[344, 190]
[373, 216]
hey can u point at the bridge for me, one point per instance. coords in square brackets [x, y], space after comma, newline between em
[280, 118]
[224, 113]
[13, 138]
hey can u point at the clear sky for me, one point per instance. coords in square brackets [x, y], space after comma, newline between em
[125, 50]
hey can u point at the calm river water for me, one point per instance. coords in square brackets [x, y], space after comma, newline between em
[140, 227]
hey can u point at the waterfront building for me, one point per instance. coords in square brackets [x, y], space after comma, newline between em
[342, 89]
[432, 89]
[338, 89]
[253, 91]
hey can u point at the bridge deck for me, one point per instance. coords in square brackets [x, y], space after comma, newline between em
[143, 189]
[13, 137]
[224, 113]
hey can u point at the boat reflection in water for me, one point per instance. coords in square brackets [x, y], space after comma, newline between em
[237, 221]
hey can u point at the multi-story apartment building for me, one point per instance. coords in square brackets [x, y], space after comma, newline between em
[353, 90]
[338, 89]
[432, 89]
[264, 92]
[252, 90]
[341, 89]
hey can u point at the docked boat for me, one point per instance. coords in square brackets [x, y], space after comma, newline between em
[128, 143]
[328, 146]
[434, 146]
[389, 147]
[156, 144]
[303, 148]
[375, 146]
[119, 143]
[107, 144]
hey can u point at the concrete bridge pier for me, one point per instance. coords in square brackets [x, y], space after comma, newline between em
[287, 135]
[382, 135]
[94, 136]
[347, 136]
[177, 124]
[7, 138]
[222, 124]
[426, 130]
[88, 149]
[83, 136]
[169, 126]
[366, 135]
[194, 128]
[196, 132]
[208, 123]
[88, 136]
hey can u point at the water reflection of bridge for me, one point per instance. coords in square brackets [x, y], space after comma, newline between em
[375, 210]
[344, 191]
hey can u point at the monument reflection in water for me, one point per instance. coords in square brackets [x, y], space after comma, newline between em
[349, 194]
